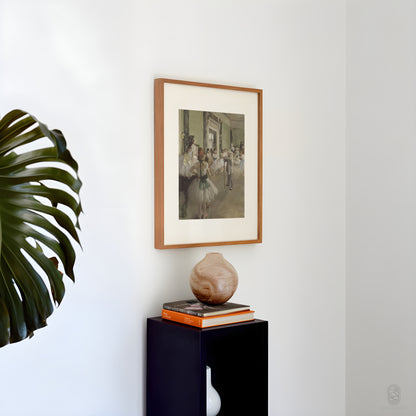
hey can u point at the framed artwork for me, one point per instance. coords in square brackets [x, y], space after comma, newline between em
[208, 164]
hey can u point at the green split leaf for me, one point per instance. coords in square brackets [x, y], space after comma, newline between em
[30, 282]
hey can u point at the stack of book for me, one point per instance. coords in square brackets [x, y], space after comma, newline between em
[194, 313]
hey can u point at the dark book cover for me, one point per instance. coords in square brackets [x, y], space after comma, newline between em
[196, 308]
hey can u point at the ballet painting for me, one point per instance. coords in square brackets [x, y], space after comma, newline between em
[208, 164]
[211, 154]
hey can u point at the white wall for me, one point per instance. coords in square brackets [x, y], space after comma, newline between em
[381, 206]
[87, 67]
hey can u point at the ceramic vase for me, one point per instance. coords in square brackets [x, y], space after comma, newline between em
[213, 280]
[213, 398]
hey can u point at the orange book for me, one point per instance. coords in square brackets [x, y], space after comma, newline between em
[230, 318]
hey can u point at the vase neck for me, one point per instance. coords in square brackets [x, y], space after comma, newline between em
[208, 376]
[214, 255]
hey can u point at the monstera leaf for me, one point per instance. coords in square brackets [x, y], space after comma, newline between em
[39, 210]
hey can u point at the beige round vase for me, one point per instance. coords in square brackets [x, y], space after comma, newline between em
[213, 280]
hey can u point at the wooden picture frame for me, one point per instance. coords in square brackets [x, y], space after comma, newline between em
[208, 164]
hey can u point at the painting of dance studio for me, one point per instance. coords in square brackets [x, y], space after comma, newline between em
[211, 165]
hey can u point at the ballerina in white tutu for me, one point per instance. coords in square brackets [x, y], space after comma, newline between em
[188, 158]
[202, 189]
